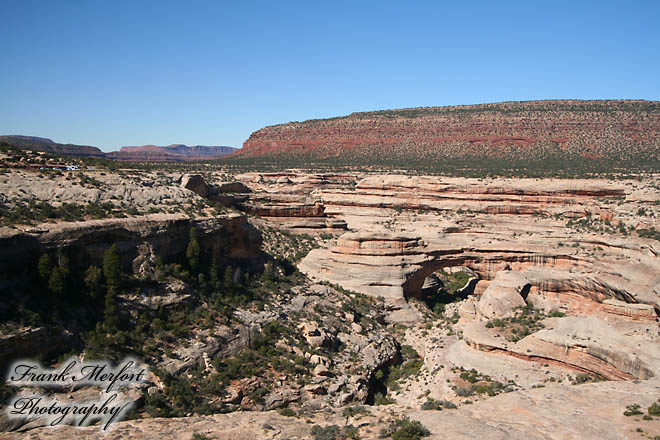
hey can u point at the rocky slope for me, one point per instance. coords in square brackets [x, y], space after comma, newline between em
[584, 130]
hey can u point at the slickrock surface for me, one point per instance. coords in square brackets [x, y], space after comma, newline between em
[584, 344]
[595, 412]
[134, 189]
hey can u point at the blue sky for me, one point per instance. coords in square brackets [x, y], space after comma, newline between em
[114, 73]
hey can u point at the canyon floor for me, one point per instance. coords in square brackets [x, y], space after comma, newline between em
[493, 307]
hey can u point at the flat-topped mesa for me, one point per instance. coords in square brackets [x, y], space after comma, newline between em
[533, 130]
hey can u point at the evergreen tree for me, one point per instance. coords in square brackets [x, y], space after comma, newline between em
[228, 279]
[268, 276]
[193, 252]
[94, 281]
[56, 281]
[45, 266]
[112, 267]
[63, 263]
[213, 272]
[110, 317]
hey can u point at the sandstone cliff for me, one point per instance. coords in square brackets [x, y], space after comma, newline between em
[616, 130]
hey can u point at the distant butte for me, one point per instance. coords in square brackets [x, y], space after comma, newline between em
[144, 153]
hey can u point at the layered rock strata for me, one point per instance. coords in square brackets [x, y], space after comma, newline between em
[511, 130]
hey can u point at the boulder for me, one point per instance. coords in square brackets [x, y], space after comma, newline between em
[196, 184]
[503, 295]
[322, 370]
[232, 187]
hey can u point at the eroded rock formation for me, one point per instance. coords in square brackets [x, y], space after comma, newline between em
[139, 239]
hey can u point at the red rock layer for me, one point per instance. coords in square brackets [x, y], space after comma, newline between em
[518, 130]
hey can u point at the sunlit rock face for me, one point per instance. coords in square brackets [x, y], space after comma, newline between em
[584, 130]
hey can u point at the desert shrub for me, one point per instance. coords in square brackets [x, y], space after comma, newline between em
[351, 432]
[325, 432]
[287, 412]
[381, 399]
[353, 411]
[437, 405]
[585, 377]
[649, 233]
[405, 429]
[632, 410]
[412, 362]
[464, 391]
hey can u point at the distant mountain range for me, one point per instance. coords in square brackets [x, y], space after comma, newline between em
[144, 153]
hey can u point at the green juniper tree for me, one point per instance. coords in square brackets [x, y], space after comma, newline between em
[213, 272]
[56, 281]
[193, 252]
[45, 266]
[112, 267]
[268, 276]
[94, 281]
[113, 274]
[228, 279]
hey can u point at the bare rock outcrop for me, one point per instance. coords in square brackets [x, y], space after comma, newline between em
[503, 295]
[196, 184]
[40, 341]
[585, 344]
[374, 263]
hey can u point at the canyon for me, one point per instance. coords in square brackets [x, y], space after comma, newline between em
[506, 304]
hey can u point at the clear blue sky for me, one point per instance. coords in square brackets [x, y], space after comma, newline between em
[113, 73]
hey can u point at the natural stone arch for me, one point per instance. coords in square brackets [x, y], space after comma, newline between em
[412, 287]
